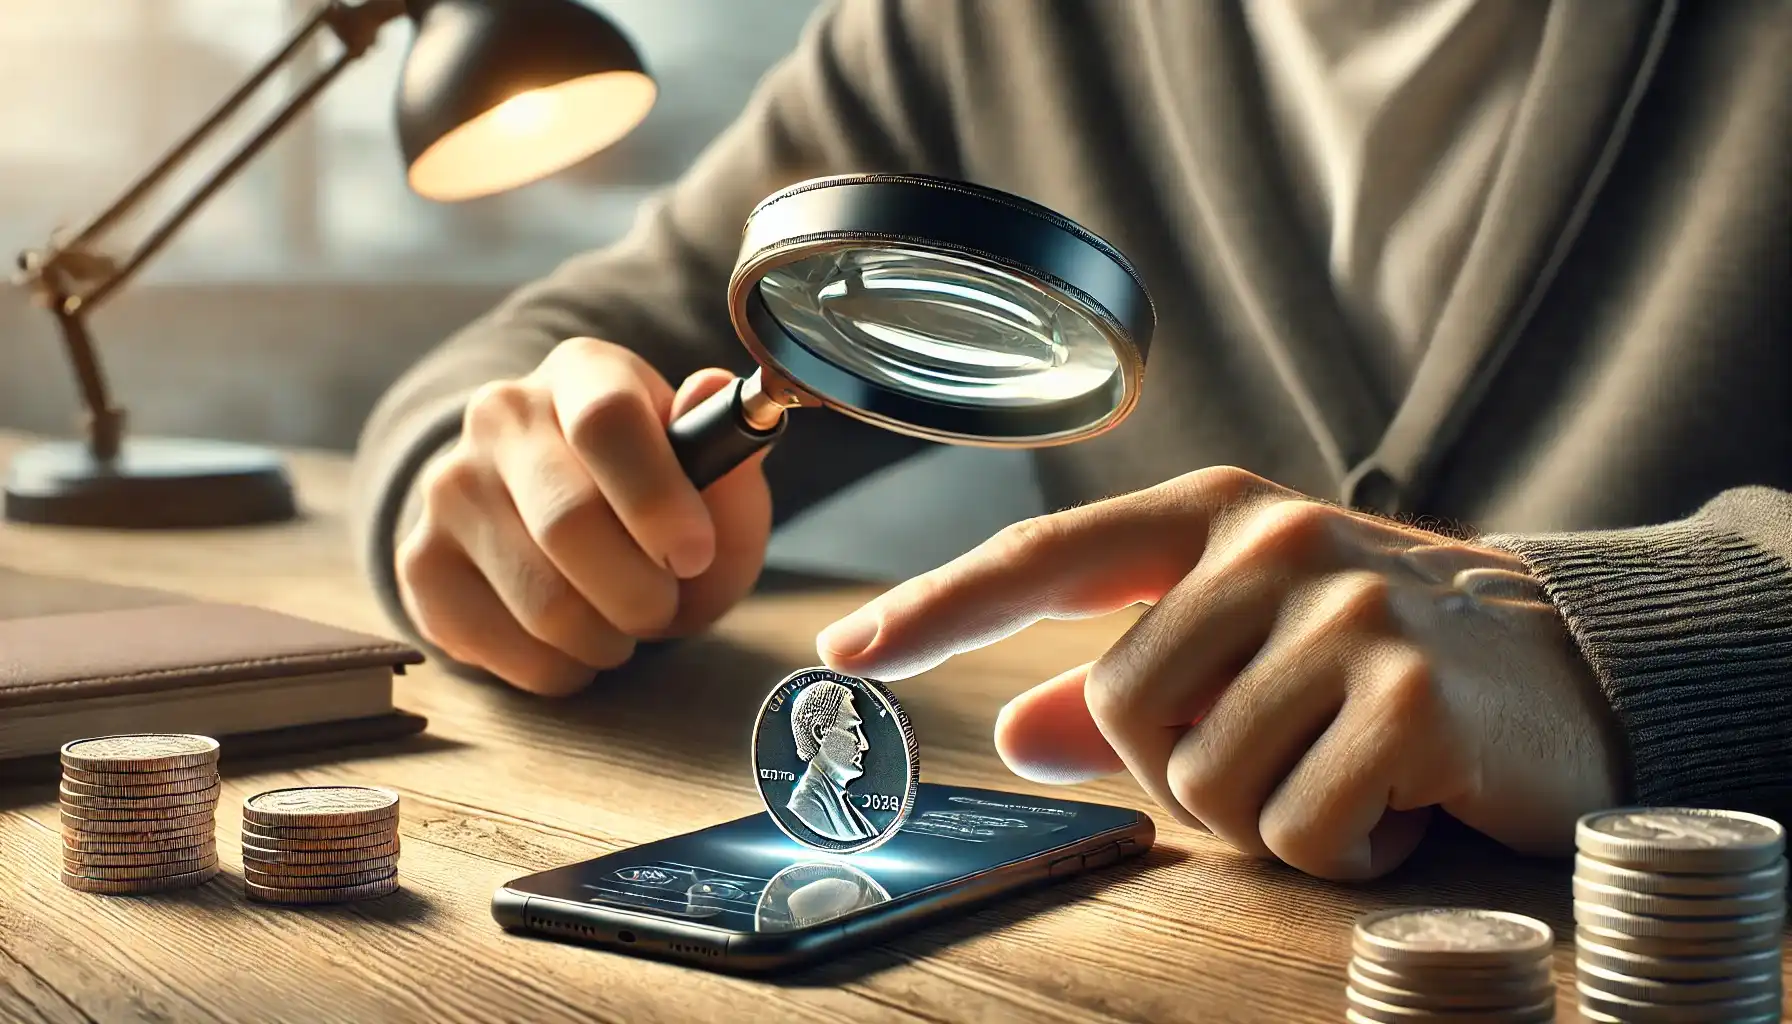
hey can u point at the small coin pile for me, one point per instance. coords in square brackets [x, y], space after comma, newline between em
[320, 844]
[1413, 964]
[138, 813]
[1678, 915]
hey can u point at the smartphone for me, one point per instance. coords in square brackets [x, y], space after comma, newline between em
[743, 897]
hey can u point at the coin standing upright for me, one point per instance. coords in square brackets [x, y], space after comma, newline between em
[836, 760]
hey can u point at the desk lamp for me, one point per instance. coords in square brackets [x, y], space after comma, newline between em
[494, 94]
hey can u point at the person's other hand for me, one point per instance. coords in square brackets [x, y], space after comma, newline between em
[560, 529]
[1308, 683]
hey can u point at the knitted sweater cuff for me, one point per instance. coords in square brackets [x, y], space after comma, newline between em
[1688, 627]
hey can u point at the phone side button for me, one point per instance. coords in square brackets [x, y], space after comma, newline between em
[1103, 857]
[1067, 865]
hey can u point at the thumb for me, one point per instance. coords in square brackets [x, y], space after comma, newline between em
[697, 387]
[1047, 734]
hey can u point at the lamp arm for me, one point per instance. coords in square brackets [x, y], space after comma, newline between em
[355, 25]
[54, 272]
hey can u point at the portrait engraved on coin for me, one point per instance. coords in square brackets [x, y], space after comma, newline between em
[835, 760]
[830, 739]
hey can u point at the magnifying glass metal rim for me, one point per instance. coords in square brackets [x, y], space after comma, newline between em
[953, 219]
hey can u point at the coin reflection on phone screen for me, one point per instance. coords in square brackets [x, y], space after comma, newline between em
[804, 895]
[835, 760]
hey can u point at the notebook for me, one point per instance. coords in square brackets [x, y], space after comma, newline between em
[86, 659]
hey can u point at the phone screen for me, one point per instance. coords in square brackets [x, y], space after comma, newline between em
[746, 877]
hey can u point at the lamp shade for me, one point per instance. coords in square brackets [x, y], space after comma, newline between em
[499, 93]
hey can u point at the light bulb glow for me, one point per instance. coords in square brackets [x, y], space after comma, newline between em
[532, 135]
[526, 113]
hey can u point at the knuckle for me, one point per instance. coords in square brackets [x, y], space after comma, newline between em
[1198, 788]
[542, 601]
[1409, 691]
[1106, 690]
[1227, 483]
[603, 415]
[1286, 530]
[498, 406]
[1357, 603]
[452, 482]
[1028, 538]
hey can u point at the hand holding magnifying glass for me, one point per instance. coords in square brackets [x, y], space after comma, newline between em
[555, 532]
[926, 306]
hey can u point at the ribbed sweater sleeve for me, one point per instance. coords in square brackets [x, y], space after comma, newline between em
[1688, 626]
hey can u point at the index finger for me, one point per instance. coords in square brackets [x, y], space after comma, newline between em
[1086, 561]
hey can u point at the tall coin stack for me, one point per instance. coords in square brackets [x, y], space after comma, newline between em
[1678, 915]
[138, 813]
[1450, 964]
[320, 844]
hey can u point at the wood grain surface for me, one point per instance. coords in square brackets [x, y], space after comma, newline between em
[504, 784]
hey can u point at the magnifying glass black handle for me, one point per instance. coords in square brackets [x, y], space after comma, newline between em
[714, 437]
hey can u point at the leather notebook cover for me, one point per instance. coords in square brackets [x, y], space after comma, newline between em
[63, 640]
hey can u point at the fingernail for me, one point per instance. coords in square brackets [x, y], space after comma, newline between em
[689, 561]
[850, 636]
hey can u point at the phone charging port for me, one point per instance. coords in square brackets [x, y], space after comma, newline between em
[626, 936]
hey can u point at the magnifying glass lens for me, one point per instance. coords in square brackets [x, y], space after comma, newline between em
[940, 328]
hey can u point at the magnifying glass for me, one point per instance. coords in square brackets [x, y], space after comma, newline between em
[927, 306]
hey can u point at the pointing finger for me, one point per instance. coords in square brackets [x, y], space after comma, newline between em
[1087, 561]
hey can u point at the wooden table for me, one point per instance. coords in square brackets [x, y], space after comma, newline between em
[504, 784]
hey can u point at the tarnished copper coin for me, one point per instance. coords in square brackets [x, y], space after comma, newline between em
[321, 806]
[88, 802]
[294, 897]
[138, 886]
[140, 752]
[274, 870]
[148, 827]
[194, 784]
[333, 836]
[73, 859]
[153, 809]
[325, 854]
[344, 880]
[142, 871]
[86, 778]
[125, 842]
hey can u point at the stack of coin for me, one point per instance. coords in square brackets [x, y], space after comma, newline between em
[320, 844]
[1678, 915]
[1450, 964]
[138, 813]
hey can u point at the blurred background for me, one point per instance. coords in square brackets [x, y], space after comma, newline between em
[283, 310]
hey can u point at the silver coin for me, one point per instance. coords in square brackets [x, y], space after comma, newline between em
[1657, 905]
[1433, 978]
[1510, 996]
[1368, 1008]
[1651, 990]
[1590, 949]
[1771, 878]
[1636, 1011]
[836, 760]
[1450, 935]
[1667, 945]
[1681, 839]
[1595, 1017]
[1606, 919]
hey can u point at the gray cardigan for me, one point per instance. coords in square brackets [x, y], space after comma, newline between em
[1607, 390]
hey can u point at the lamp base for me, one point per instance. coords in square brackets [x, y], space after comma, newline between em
[154, 483]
